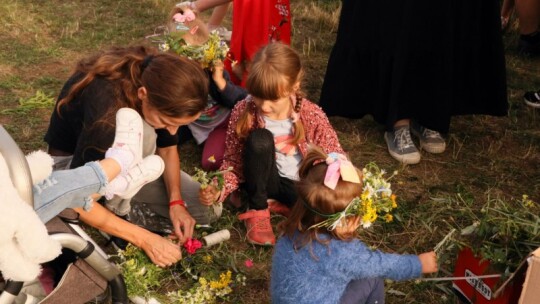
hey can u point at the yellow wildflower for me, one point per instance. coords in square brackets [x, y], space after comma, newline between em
[203, 282]
[207, 259]
[224, 281]
[393, 198]
[388, 218]
[527, 202]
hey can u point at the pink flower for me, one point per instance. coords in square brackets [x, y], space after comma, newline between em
[192, 245]
[179, 18]
[190, 16]
[186, 17]
[248, 263]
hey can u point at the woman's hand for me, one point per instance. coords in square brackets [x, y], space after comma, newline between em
[161, 251]
[182, 222]
[428, 261]
[209, 195]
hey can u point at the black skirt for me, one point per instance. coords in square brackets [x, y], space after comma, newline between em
[421, 59]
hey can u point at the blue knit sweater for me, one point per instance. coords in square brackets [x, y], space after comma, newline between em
[298, 278]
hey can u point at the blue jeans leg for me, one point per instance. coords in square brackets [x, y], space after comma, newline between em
[68, 189]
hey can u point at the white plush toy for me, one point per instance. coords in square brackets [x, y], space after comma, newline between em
[24, 241]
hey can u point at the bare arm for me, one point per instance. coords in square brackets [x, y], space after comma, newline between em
[202, 5]
[171, 175]
[182, 221]
[161, 251]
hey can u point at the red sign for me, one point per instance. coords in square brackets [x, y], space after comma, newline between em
[483, 290]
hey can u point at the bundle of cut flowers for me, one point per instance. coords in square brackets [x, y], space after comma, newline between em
[214, 178]
[375, 202]
[197, 278]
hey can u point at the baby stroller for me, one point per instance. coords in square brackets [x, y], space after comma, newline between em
[87, 272]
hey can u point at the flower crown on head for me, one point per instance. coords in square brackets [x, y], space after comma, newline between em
[211, 51]
[376, 200]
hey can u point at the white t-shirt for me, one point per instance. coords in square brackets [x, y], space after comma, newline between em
[288, 156]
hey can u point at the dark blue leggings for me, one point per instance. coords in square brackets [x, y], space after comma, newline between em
[366, 291]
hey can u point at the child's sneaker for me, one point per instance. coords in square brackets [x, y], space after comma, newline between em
[401, 146]
[258, 226]
[532, 99]
[144, 172]
[278, 207]
[430, 140]
[129, 134]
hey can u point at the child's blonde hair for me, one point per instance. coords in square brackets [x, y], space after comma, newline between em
[273, 73]
[315, 199]
[193, 37]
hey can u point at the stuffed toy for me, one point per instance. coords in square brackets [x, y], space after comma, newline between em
[24, 241]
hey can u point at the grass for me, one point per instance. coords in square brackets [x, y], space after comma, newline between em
[486, 156]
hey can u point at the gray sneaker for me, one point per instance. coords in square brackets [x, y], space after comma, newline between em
[430, 140]
[401, 146]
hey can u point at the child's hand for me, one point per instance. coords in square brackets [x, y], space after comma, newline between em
[187, 5]
[209, 195]
[217, 74]
[428, 261]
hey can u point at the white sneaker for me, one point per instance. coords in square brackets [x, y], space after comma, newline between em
[129, 133]
[148, 170]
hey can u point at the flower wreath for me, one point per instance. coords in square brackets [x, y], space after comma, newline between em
[211, 51]
[376, 201]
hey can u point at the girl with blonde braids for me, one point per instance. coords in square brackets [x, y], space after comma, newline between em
[268, 135]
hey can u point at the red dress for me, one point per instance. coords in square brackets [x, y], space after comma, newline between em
[255, 24]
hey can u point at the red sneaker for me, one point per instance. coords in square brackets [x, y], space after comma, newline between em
[279, 208]
[258, 226]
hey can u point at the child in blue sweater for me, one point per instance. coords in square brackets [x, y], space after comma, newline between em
[319, 259]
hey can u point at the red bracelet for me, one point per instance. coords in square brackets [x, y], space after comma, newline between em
[177, 202]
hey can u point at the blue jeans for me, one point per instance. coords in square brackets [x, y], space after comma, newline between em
[68, 189]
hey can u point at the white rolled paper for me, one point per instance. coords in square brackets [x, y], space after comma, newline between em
[216, 237]
[141, 300]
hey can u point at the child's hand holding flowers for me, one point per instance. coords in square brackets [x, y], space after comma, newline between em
[209, 195]
[211, 185]
[217, 74]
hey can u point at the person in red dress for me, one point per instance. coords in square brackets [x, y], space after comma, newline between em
[255, 24]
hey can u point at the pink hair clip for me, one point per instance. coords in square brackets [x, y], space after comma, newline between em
[185, 17]
[339, 166]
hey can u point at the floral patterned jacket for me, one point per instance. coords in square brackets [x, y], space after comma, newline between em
[318, 131]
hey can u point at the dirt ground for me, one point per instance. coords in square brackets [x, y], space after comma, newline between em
[485, 156]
